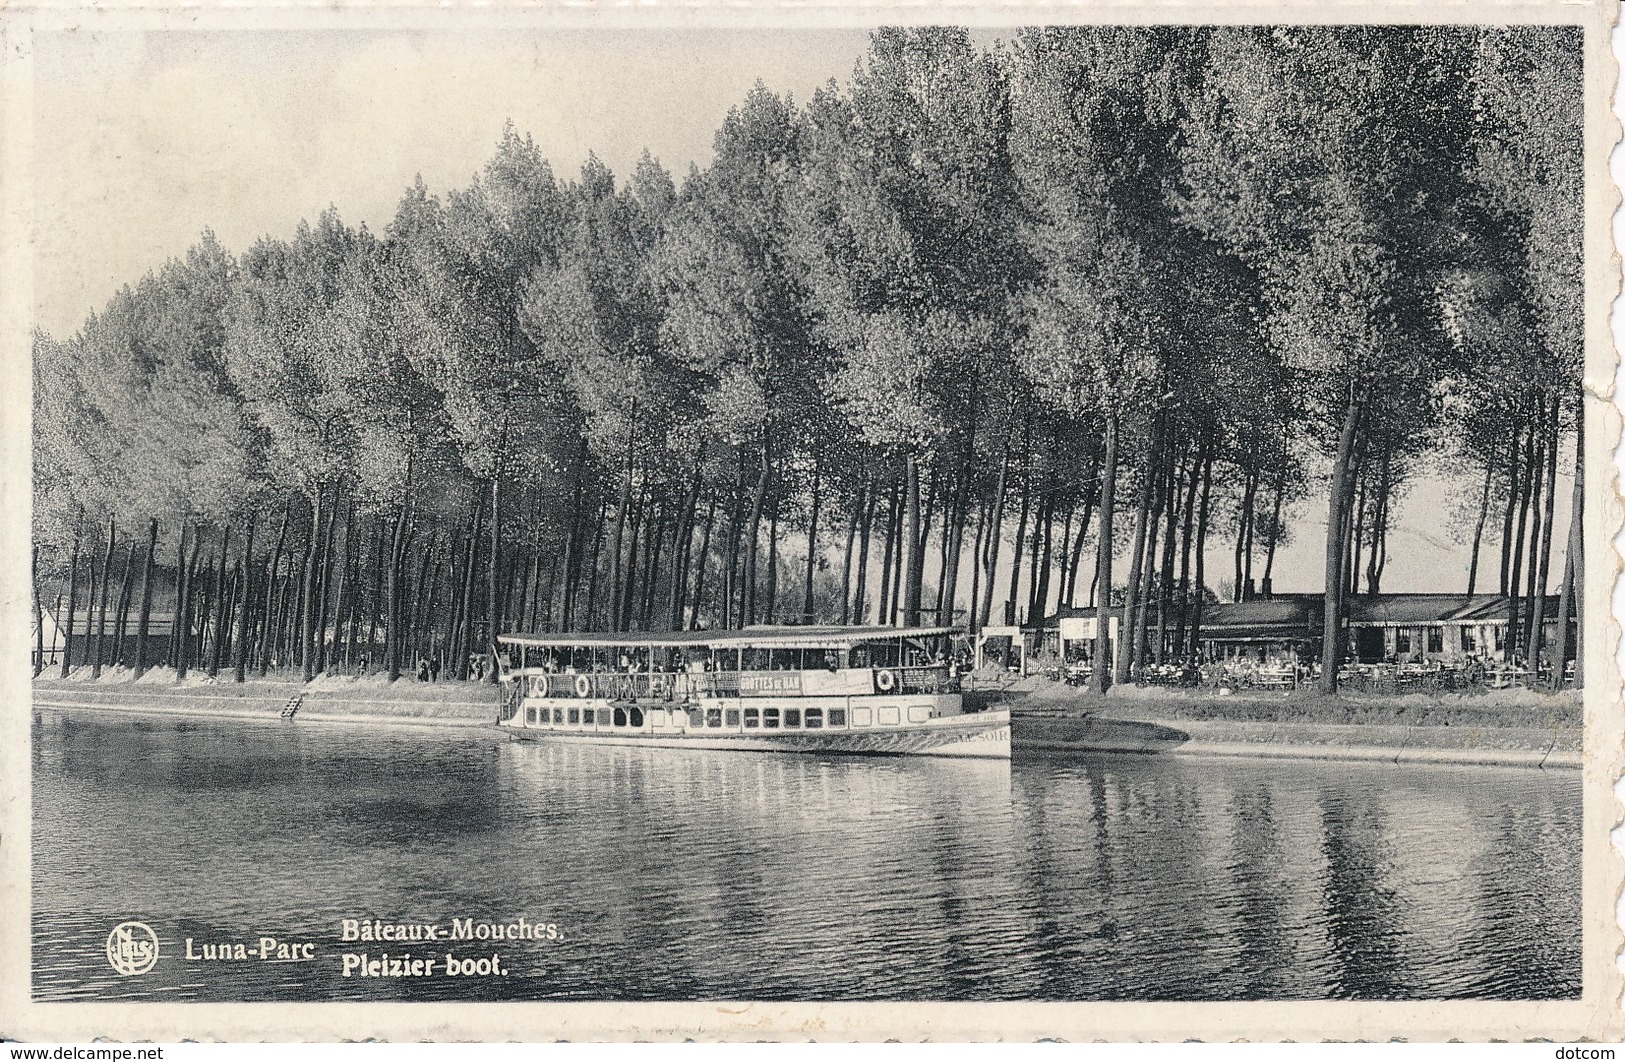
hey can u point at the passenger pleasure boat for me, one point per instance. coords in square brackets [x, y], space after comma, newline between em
[854, 690]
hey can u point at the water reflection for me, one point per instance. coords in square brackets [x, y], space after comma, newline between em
[690, 875]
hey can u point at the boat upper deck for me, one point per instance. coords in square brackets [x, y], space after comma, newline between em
[759, 637]
[803, 659]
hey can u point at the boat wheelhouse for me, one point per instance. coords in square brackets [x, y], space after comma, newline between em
[855, 690]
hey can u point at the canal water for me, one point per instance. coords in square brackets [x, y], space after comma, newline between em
[667, 874]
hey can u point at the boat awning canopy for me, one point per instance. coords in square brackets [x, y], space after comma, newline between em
[763, 637]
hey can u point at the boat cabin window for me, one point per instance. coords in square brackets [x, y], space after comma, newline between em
[837, 717]
[792, 717]
[530, 716]
[752, 718]
[755, 659]
[770, 718]
[731, 716]
[620, 717]
[575, 716]
[713, 717]
[558, 715]
[636, 716]
[815, 719]
[603, 717]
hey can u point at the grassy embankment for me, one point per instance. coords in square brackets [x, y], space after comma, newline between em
[1502, 726]
[327, 697]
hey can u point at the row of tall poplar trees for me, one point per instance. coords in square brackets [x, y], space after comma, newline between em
[1031, 324]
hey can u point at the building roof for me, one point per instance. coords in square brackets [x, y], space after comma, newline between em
[1287, 617]
[759, 637]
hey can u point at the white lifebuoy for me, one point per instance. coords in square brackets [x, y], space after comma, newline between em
[885, 681]
[538, 685]
[583, 686]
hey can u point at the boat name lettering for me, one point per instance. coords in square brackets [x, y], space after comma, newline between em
[770, 682]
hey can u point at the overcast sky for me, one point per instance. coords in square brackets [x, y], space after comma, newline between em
[144, 140]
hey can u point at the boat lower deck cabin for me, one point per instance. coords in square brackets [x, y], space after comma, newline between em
[797, 689]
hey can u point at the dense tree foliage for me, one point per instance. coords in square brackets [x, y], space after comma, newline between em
[1034, 324]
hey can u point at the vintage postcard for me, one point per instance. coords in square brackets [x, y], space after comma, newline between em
[978, 523]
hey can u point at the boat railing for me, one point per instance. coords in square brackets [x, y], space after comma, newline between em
[668, 686]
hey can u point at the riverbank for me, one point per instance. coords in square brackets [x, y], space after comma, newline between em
[328, 698]
[1505, 728]
[1502, 728]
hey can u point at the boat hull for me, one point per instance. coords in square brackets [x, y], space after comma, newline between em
[982, 735]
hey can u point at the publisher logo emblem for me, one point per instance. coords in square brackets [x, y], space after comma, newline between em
[132, 948]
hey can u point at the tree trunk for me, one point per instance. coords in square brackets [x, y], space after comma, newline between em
[324, 583]
[1537, 602]
[341, 578]
[240, 649]
[73, 603]
[218, 647]
[1351, 562]
[177, 624]
[101, 607]
[1100, 675]
[812, 544]
[860, 604]
[625, 608]
[1038, 557]
[1514, 612]
[121, 607]
[1508, 520]
[493, 586]
[270, 590]
[953, 532]
[704, 562]
[1021, 530]
[1189, 518]
[683, 551]
[651, 563]
[1065, 553]
[889, 548]
[307, 604]
[1478, 528]
[772, 613]
[992, 540]
[418, 630]
[184, 628]
[1331, 637]
[90, 613]
[1573, 564]
[748, 610]
[914, 560]
[1199, 590]
[732, 593]
[973, 611]
[1275, 526]
[465, 647]
[1131, 596]
[1091, 494]
[1165, 569]
[39, 610]
[1239, 592]
[846, 557]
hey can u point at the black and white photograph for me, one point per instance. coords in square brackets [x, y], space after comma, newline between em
[880, 509]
